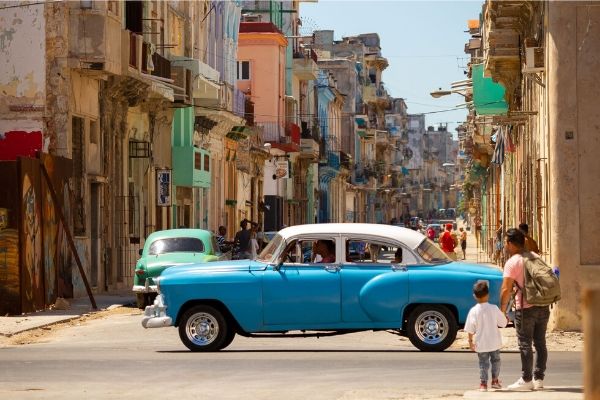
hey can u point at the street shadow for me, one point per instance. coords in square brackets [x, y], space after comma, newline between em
[552, 389]
[225, 351]
[373, 351]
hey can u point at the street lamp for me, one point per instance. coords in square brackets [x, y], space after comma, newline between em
[440, 93]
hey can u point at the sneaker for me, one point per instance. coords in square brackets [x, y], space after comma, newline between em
[538, 384]
[483, 387]
[521, 385]
[496, 384]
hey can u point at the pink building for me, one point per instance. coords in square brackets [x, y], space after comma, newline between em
[261, 75]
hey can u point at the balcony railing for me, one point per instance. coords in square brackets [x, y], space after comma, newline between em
[133, 50]
[162, 66]
[282, 136]
[239, 103]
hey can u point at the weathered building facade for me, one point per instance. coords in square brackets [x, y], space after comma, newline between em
[541, 166]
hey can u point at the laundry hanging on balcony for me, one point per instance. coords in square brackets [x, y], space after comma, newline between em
[498, 157]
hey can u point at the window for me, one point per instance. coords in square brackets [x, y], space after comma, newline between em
[176, 245]
[432, 253]
[369, 251]
[94, 132]
[197, 161]
[243, 70]
[206, 163]
[307, 251]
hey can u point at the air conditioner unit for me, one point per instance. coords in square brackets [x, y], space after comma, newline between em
[534, 59]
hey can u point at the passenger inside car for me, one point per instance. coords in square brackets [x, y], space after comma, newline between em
[398, 256]
[324, 251]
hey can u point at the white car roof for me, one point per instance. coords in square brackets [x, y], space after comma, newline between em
[407, 236]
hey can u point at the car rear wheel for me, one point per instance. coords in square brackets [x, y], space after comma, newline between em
[432, 327]
[203, 328]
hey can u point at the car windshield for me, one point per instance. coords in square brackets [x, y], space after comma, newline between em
[432, 253]
[269, 253]
[176, 245]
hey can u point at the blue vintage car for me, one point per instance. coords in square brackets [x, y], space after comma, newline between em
[399, 280]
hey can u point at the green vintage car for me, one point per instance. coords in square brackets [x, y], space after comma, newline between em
[169, 248]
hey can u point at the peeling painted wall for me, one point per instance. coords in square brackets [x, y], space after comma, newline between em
[22, 79]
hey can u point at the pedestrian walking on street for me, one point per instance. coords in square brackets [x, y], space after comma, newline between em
[482, 325]
[448, 242]
[531, 322]
[530, 243]
[499, 244]
[242, 241]
[463, 242]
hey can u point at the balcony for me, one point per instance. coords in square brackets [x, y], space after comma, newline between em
[375, 95]
[162, 66]
[95, 41]
[239, 103]
[135, 51]
[305, 65]
[191, 166]
[383, 138]
[182, 77]
[346, 161]
[309, 140]
[284, 137]
[205, 80]
[333, 159]
[309, 148]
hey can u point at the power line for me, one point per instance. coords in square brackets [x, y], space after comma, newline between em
[37, 3]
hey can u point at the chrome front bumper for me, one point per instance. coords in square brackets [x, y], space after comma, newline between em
[155, 316]
[147, 288]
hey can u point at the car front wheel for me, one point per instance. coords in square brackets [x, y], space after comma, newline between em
[203, 328]
[432, 327]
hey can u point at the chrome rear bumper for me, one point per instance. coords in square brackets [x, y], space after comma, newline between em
[155, 315]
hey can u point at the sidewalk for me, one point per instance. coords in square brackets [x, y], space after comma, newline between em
[474, 254]
[549, 393]
[10, 326]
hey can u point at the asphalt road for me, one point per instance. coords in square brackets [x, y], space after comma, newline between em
[115, 358]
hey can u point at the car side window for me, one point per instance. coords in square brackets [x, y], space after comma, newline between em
[309, 251]
[369, 252]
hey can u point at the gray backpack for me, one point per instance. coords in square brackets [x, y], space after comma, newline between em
[540, 284]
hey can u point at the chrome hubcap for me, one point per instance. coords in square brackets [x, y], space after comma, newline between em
[431, 327]
[202, 329]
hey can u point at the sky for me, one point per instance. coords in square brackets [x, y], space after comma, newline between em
[422, 40]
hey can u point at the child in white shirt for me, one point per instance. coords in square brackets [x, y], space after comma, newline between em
[483, 322]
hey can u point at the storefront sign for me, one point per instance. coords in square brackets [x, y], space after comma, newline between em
[163, 187]
[282, 169]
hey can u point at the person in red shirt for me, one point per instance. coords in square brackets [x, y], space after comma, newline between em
[448, 242]
[431, 233]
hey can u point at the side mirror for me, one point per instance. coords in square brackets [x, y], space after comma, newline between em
[140, 251]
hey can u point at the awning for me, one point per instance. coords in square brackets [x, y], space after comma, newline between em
[237, 133]
[488, 96]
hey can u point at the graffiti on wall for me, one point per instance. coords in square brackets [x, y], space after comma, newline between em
[32, 294]
[57, 256]
[35, 261]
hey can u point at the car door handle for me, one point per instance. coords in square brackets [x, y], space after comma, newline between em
[399, 268]
[332, 268]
